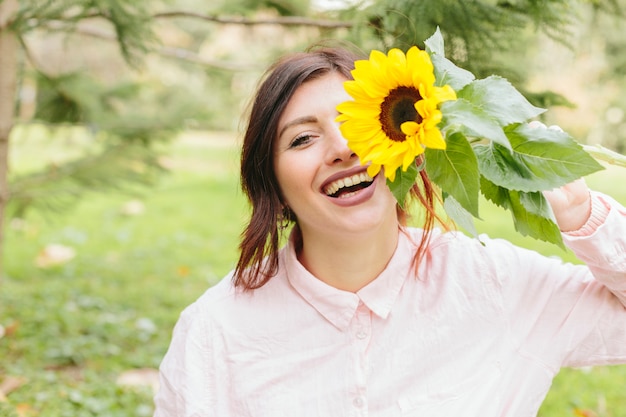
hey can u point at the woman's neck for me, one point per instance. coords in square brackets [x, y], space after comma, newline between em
[349, 262]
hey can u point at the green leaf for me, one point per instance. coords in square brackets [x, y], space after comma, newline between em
[531, 213]
[446, 73]
[434, 44]
[455, 171]
[499, 99]
[461, 115]
[459, 215]
[403, 182]
[542, 159]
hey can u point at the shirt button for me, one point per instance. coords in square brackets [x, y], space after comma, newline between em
[358, 402]
[361, 334]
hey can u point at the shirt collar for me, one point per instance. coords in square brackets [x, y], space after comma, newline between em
[339, 306]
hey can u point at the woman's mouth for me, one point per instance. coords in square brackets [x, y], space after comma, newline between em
[348, 186]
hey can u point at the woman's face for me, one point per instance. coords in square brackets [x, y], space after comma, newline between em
[320, 178]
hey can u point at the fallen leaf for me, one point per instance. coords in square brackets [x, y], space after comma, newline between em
[53, 255]
[25, 410]
[146, 325]
[143, 377]
[10, 329]
[10, 384]
[183, 271]
[17, 224]
[133, 208]
[584, 413]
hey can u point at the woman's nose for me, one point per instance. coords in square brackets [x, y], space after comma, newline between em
[338, 150]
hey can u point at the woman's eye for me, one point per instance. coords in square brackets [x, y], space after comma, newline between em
[300, 140]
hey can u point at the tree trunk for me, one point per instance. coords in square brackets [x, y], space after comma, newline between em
[8, 80]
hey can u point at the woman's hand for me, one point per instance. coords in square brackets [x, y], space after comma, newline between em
[571, 204]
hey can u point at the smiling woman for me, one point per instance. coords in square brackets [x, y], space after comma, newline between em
[311, 157]
[359, 314]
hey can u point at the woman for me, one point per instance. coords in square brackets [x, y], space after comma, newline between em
[359, 314]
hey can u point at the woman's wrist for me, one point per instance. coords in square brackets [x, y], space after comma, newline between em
[598, 212]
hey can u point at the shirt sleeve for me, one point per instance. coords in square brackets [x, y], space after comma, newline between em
[187, 374]
[603, 248]
[571, 315]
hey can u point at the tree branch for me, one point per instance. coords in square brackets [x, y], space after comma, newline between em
[8, 91]
[239, 20]
[166, 51]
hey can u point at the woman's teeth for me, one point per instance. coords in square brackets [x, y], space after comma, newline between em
[332, 188]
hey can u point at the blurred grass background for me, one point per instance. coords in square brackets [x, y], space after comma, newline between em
[71, 331]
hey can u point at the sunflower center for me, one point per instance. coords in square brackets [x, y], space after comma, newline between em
[397, 108]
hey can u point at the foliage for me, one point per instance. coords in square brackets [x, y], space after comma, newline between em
[59, 186]
[74, 328]
[498, 153]
[491, 147]
[125, 118]
[508, 161]
[473, 30]
[486, 37]
[130, 20]
[283, 7]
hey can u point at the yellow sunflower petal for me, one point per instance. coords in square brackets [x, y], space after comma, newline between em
[422, 70]
[397, 67]
[359, 127]
[356, 109]
[390, 173]
[434, 139]
[371, 75]
[373, 170]
[409, 158]
[355, 90]
[409, 128]
[444, 93]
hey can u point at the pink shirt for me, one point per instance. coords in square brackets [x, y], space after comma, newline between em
[481, 331]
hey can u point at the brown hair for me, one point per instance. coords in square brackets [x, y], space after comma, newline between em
[258, 260]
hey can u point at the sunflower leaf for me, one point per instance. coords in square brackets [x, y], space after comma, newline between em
[459, 215]
[541, 159]
[455, 171]
[531, 213]
[434, 44]
[464, 116]
[446, 73]
[498, 98]
[403, 182]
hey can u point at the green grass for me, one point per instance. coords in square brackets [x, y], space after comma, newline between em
[79, 325]
[74, 328]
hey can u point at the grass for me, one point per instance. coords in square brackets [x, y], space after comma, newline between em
[73, 329]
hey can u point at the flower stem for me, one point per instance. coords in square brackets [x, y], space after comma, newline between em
[601, 153]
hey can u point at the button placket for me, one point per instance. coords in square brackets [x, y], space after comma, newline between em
[361, 333]
[363, 325]
[359, 402]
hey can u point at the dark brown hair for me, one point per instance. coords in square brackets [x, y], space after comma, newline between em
[258, 260]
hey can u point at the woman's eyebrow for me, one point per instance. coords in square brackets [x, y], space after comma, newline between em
[297, 121]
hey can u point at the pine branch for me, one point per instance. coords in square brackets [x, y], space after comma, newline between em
[239, 20]
[166, 51]
[129, 19]
[120, 168]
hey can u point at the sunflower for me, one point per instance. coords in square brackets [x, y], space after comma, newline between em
[395, 111]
